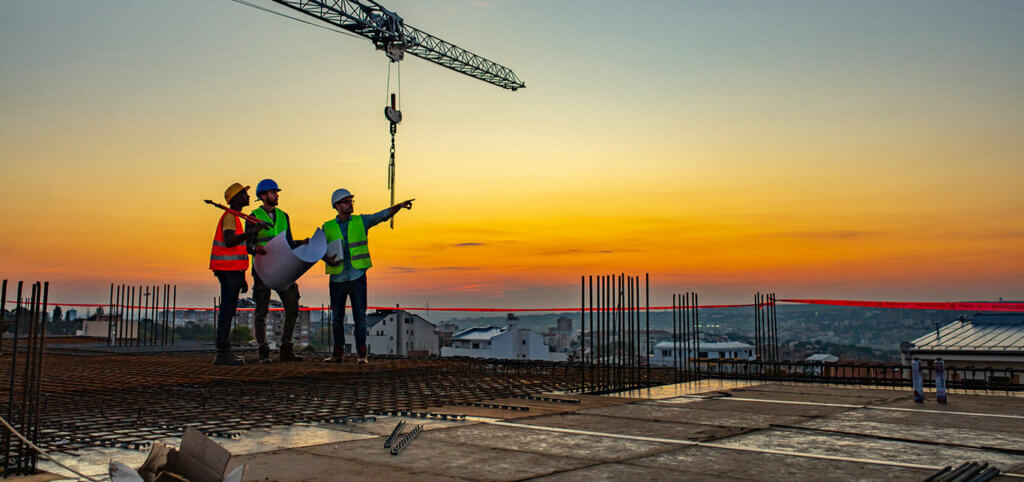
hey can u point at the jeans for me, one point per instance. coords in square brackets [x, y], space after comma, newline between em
[290, 300]
[356, 291]
[230, 286]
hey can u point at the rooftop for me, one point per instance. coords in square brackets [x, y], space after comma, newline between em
[985, 332]
[479, 333]
[717, 346]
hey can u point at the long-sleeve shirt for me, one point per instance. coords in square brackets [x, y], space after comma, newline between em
[369, 221]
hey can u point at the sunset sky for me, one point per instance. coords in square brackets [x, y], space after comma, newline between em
[857, 150]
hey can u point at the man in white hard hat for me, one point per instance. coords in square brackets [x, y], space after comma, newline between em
[347, 267]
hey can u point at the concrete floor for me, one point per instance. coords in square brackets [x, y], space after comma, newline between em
[731, 432]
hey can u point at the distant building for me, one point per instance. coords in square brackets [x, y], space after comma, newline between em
[398, 332]
[664, 353]
[564, 324]
[561, 338]
[506, 343]
[71, 315]
[822, 358]
[985, 340]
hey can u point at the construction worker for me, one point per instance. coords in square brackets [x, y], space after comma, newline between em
[228, 260]
[267, 191]
[348, 273]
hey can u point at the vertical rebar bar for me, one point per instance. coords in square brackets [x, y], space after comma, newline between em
[647, 330]
[583, 326]
[686, 360]
[8, 440]
[118, 304]
[627, 336]
[110, 319]
[775, 327]
[590, 364]
[696, 330]
[39, 373]
[174, 313]
[26, 377]
[675, 342]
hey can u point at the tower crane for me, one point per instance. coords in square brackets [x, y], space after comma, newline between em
[388, 32]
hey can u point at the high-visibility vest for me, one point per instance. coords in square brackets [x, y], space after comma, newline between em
[223, 258]
[278, 225]
[358, 249]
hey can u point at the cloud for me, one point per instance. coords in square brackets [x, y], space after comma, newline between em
[833, 234]
[473, 288]
[408, 269]
[576, 251]
[463, 245]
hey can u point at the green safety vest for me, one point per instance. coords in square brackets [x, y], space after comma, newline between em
[279, 223]
[358, 250]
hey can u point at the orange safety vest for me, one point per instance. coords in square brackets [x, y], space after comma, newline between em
[223, 258]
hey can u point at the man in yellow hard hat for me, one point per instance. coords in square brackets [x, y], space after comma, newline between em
[228, 261]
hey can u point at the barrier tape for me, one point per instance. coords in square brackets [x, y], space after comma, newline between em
[912, 305]
[906, 305]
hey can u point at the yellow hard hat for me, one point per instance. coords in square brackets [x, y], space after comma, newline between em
[232, 190]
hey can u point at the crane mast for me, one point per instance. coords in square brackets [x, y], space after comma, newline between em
[389, 33]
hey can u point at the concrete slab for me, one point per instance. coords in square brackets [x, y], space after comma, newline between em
[784, 409]
[633, 473]
[967, 403]
[825, 390]
[95, 460]
[628, 426]
[385, 424]
[757, 466]
[658, 411]
[430, 453]
[933, 427]
[868, 448]
[306, 466]
[816, 394]
[255, 441]
[544, 442]
[687, 388]
[489, 412]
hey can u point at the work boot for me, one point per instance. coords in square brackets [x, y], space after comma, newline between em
[228, 358]
[363, 360]
[287, 354]
[265, 355]
[337, 357]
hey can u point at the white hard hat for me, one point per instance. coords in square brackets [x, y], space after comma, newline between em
[339, 195]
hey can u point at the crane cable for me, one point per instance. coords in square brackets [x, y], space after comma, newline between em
[393, 127]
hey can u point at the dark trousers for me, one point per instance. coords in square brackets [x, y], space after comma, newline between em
[290, 300]
[356, 291]
[230, 286]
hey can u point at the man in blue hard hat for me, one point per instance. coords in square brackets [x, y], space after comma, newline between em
[278, 220]
[348, 266]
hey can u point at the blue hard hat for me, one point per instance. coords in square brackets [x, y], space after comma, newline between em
[266, 185]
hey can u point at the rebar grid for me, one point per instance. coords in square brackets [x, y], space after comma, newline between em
[130, 401]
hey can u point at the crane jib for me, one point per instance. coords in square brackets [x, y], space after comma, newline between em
[389, 32]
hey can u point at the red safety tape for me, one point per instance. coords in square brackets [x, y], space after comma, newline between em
[406, 308]
[910, 305]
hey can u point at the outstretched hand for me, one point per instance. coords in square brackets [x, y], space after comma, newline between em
[407, 204]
